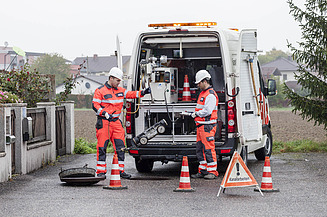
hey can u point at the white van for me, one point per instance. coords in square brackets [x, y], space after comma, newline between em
[162, 58]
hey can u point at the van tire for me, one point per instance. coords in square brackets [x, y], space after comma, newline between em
[144, 165]
[261, 153]
[244, 154]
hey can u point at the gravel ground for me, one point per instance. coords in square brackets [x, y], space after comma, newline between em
[286, 126]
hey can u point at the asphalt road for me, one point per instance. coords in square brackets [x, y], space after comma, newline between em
[301, 179]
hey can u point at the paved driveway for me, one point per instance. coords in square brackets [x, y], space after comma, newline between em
[301, 179]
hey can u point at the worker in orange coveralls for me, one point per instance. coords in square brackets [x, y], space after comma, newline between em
[107, 102]
[205, 117]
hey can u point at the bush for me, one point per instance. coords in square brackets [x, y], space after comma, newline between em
[84, 147]
[29, 86]
[6, 97]
[280, 99]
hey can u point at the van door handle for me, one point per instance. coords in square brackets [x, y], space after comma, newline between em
[247, 112]
[237, 91]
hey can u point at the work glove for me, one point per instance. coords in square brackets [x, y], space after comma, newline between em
[193, 115]
[146, 91]
[108, 116]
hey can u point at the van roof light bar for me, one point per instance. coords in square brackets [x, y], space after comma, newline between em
[205, 24]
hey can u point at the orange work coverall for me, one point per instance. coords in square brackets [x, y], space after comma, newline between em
[110, 100]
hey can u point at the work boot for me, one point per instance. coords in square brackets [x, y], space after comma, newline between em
[101, 175]
[124, 175]
[210, 176]
[197, 176]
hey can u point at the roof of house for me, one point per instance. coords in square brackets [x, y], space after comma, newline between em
[283, 64]
[97, 63]
[268, 71]
[293, 85]
[101, 79]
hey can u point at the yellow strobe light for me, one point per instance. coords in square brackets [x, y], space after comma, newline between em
[207, 24]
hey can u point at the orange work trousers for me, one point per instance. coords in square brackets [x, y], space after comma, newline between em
[205, 148]
[113, 131]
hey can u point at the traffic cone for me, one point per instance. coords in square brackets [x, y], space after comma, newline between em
[266, 183]
[184, 183]
[186, 90]
[114, 183]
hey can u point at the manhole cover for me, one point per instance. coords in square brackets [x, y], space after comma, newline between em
[80, 176]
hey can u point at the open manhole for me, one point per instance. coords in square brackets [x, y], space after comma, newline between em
[79, 176]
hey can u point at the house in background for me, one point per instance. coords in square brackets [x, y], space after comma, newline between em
[83, 92]
[286, 67]
[85, 84]
[270, 72]
[93, 72]
[98, 65]
[10, 60]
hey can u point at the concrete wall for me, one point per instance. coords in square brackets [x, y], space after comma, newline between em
[5, 129]
[29, 157]
[5, 150]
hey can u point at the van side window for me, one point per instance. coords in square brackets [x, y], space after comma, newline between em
[217, 77]
[262, 84]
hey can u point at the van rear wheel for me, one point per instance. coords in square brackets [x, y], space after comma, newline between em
[244, 154]
[144, 165]
[261, 153]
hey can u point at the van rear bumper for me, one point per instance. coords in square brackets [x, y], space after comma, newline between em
[175, 152]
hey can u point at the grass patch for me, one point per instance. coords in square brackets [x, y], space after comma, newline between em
[302, 146]
[84, 147]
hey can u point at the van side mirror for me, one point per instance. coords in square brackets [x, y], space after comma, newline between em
[271, 89]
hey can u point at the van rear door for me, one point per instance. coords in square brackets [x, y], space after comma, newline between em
[249, 120]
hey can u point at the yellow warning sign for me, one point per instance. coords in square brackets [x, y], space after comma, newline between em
[237, 174]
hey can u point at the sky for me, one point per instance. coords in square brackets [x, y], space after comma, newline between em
[75, 28]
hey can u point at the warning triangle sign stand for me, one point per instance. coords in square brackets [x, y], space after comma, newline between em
[237, 175]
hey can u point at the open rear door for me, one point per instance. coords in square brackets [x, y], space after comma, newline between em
[118, 54]
[248, 102]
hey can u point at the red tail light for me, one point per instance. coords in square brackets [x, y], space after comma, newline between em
[231, 116]
[128, 122]
[133, 151]
[225, 151]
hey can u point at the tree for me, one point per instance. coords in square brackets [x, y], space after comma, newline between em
[312, 59]
[53, 64]
[272, 55]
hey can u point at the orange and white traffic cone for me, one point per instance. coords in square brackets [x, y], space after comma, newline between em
[186, 90]
[114, 183]
[184, 183]
[266, 183]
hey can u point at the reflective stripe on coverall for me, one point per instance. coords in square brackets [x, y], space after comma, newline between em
[205, 136]
[110, 100]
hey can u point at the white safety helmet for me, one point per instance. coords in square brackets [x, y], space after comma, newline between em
[200, 75]
[116, 72]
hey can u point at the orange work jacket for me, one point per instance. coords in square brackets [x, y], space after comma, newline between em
[111, 100]
[210, 119]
